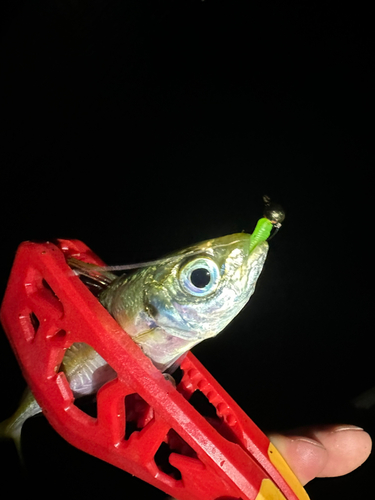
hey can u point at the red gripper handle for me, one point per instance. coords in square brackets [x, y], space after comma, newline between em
[144, 425]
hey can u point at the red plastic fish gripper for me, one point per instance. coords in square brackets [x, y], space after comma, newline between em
[47, 308]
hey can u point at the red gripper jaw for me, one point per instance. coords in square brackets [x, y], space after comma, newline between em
[144, 425]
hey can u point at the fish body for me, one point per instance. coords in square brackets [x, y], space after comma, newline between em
[167, 307]
[85, 370]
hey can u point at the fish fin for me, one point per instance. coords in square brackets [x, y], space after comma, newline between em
[92, 275]
[11, 428]
[148, 263]
[170, 379]
[175, 363]
[139, 337]
[8, 431]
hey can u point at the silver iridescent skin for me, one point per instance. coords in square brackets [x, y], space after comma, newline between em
[170, 306]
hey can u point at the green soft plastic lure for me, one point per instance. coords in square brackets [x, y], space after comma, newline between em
[273, 217]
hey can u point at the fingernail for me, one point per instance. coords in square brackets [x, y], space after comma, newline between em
[306, 440]
[347, 428]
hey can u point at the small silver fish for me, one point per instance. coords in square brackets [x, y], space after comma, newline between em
[166, 307]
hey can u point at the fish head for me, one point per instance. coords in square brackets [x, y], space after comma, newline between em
[196, 292]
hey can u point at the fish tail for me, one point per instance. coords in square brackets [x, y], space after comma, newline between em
[11, 428]
[9, 431]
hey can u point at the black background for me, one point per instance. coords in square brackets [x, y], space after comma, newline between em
[141, 127]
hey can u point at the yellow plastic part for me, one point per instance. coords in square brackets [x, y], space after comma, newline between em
[268, 491]
[278, 461]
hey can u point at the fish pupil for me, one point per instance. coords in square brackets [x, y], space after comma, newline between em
[200, 278]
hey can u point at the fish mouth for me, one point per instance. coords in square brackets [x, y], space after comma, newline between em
[255, 263]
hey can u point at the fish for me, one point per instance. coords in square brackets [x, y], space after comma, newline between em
[166, 306]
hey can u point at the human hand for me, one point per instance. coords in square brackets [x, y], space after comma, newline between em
[323, 451]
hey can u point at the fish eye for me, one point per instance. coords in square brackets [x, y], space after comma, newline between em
[200, 277]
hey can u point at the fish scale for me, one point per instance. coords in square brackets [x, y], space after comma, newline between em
[85, 370]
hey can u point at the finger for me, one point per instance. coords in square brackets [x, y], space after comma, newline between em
[305, 456]
[324, 451]
[348, 447]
